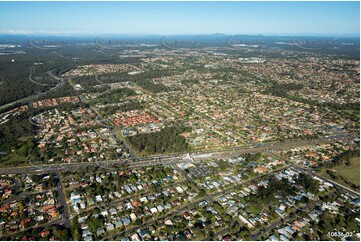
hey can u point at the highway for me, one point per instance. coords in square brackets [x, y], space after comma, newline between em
[262, 147]
[35, 96]
[37, 83]
[171, 159]
[21, 100]
[60, 80]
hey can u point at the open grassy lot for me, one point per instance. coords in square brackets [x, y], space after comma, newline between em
[13, 160]
[25, 138]
[352, 172]
[355, 113]
[349, 173]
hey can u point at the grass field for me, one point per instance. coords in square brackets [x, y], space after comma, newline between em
[13, 160]
[355, 113]
[350, 173]
[25, 138]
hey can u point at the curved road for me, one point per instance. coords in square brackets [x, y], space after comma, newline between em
[35, 96]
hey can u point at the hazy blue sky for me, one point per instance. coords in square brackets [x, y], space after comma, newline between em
[180, 17]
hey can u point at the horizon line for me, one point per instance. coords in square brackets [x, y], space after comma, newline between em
[83, 34]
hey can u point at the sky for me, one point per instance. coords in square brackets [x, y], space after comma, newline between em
[180, 17]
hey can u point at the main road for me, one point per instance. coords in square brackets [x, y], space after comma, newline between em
[35, 96]
[171, 159]
[65, 215]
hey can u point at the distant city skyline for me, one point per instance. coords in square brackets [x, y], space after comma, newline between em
[171, 18]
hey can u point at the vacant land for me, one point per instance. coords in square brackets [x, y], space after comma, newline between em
[346, 175]
[13, 160]
[355, 113]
